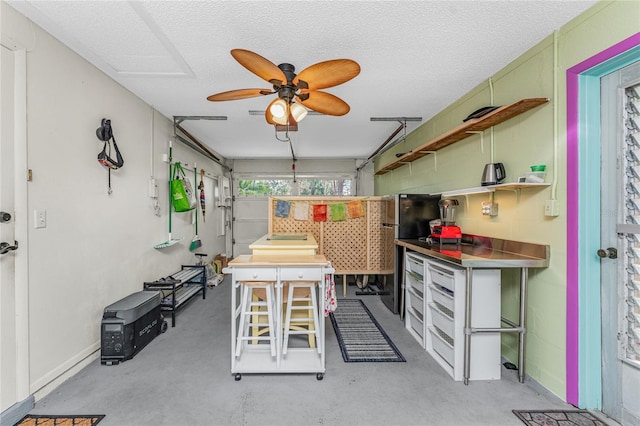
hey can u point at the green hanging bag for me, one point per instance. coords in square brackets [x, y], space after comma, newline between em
[181, 191]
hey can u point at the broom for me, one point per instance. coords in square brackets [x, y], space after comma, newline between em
[171, 241]
[196, 243]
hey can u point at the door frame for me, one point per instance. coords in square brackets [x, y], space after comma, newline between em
[24, 399]
[583, 345]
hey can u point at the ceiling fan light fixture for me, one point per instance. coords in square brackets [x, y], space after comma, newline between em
[298, 112]
[279, 111]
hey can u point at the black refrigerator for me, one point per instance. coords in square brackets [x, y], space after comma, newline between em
[405, 217]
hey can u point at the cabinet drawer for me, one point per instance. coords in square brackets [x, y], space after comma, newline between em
[301, 274]
[417, 305]
[415, 267]
[441, 296]
[416, 288]
[441, 320]
[416, 301]
[442, 345]
[416, 324]
[442, 277]
[254, 274]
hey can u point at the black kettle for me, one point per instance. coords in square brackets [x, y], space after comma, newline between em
[493, 173]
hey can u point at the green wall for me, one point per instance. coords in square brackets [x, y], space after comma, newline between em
[528, 139]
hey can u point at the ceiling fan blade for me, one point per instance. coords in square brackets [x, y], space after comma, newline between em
[325, 103]
[238, 94]
[263, 68]
[328, 74]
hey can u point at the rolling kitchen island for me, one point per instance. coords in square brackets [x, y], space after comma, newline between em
[257, 358]
[476, 253]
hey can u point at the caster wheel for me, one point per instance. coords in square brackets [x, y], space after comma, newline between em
[237, 377]
[164, 327]
[319, 376]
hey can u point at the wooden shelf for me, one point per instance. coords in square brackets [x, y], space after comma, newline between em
[501, 114]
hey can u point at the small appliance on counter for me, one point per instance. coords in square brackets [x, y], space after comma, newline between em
[492, 174]
[447, 232]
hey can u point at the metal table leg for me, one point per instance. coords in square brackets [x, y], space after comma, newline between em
[467, 325]
[523, 316]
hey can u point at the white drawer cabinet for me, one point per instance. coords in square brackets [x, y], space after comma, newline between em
[301, 274]
[445, 300]
[415, 306]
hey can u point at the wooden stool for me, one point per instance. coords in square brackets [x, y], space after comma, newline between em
[292, 323]
[259, 313]
[248, 315]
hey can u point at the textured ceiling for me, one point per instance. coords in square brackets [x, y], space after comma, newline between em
[416, 57]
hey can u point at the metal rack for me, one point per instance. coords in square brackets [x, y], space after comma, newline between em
[180, 287]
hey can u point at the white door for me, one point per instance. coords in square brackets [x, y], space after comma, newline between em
[8, 337]
[620, 244]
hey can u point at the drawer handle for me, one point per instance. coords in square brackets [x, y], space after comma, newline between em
[255, 275]
[300, 274]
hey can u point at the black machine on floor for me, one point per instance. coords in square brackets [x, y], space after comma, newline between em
[129, 324]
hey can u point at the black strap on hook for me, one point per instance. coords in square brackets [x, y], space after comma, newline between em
[105, 134]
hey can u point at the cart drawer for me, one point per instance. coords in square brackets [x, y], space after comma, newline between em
[254, 274]
[442, 346]
[301, 274]
[441, 320]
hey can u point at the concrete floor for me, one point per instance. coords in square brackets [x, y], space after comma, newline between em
[183, 377]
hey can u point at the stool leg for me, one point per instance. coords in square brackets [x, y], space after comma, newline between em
[315, 310]
[270, 309]
[242, 329]
[287, 320]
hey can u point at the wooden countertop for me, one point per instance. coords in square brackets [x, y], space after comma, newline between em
[247, 260]
[283, 244]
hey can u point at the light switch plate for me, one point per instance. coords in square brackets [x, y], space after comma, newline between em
[39, 219]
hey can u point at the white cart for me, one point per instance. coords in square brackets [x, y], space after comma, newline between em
[256, 358]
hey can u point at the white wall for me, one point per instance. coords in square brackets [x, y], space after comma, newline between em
[96, 248]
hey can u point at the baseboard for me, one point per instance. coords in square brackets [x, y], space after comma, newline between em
[55, 378]
[17, 411]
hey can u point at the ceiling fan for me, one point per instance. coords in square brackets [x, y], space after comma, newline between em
[289, 86]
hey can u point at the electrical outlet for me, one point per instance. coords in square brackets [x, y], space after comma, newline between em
[39, 219]
[490, 209]
[552, 208]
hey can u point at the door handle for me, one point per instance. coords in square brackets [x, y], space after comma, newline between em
[5, 217]
[611, 253]
[6, 247]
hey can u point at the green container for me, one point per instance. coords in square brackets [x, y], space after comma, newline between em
[538, 168]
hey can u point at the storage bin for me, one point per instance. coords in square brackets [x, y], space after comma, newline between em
[440, 296]
[535, 177]
[442, 321]
[442, 278]
[441, 346]
[417, 324]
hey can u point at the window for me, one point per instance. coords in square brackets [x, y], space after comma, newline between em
[264, 187]
[307, 185]
[337, 187]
